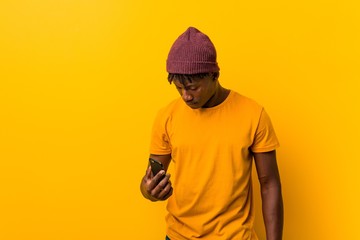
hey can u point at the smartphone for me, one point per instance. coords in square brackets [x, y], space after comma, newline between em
[156, 166]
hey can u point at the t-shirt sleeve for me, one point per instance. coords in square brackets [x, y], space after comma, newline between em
[160, 142]
[265, 139]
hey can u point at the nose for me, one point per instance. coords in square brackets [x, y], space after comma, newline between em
[186, 96]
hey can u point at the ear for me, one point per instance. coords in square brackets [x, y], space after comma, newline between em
[216, 75]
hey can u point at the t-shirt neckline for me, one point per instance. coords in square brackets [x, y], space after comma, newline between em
[201, 110]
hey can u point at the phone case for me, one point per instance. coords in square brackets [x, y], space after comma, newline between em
[156, 166]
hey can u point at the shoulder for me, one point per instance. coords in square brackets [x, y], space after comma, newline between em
[244, 103]
[168, 110]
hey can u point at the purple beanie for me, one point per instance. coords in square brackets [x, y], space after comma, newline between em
[192, 53]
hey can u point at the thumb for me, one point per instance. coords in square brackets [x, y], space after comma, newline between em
[148, 173]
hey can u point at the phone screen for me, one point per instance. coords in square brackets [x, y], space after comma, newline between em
[156, 166]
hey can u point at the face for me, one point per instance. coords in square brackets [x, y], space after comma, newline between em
[198, 93]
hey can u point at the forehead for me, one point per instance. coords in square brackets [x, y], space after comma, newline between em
[192, 82]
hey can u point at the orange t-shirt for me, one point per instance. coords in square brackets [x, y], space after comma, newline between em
[211, 149]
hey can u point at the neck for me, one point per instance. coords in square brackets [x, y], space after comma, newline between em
[217, 98]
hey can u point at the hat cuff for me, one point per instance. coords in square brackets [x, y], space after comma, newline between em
[186, 67]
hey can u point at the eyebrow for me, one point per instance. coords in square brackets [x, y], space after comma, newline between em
[187, 86]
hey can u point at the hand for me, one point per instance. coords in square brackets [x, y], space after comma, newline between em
[156, 187]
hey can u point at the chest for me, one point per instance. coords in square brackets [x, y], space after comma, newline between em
[229, 132]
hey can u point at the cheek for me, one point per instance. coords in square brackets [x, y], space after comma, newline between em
[202, 96]
[199, 94]
[208, 91]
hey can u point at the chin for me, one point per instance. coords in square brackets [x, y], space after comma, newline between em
[194, 107]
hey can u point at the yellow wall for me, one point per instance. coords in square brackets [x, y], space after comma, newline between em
[81, 81]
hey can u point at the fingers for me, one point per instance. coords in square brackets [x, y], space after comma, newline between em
[158, 187]
[166, 192]
[153, 182]
[162, 187]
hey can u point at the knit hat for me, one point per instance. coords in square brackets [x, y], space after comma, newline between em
[192, 53]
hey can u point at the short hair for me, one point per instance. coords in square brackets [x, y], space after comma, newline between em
[190, 77]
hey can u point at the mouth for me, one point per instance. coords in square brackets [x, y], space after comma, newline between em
[192, 104]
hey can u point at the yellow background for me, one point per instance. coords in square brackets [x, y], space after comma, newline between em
[81, 81]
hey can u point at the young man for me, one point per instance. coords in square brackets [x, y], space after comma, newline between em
[212, 134]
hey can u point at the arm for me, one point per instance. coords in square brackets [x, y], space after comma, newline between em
[157, 188]
[272, 204]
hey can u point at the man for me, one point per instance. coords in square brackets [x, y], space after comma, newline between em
[211, 134]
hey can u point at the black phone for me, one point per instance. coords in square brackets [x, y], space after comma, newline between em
[156, 166]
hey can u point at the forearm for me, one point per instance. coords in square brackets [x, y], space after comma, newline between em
[273, 211]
